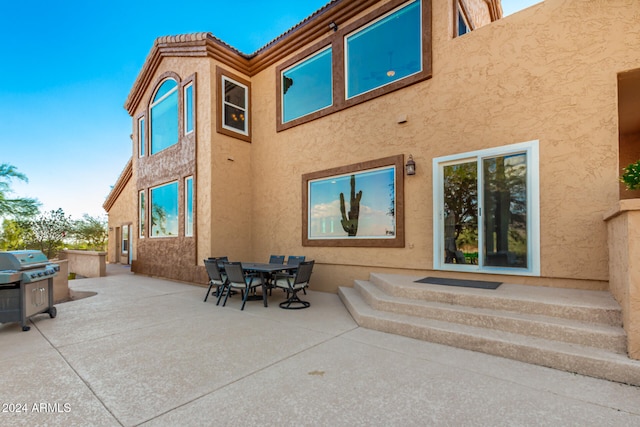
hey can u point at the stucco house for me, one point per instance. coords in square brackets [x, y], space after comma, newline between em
[517, 126]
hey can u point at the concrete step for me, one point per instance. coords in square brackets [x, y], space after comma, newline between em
[566, 329]
[574, 304]
[595, 335]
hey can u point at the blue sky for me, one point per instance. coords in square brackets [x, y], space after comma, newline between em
[68, 67]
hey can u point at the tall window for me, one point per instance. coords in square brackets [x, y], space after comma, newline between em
[487, 210]
[141, 137]
[384, 51]
[164, 117]
[188, 109]
[235, 112]
[125, 239]
[164, 210]
[188, 206]
[307, 86]
[142, 213]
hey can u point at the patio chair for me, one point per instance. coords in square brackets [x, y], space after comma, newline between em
[293, 283]
[216, 278]
[276, 259]
[295, 260]
[237, 279]
[273, 259]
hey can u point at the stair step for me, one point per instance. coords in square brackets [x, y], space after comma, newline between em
[575, 304]
[559, 329]
[569, 357]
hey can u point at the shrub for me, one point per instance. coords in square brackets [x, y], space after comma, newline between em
[631, 176]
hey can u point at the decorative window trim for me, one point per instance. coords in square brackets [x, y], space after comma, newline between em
[150, 215]
[125, 238]
[141, 125]
[388, 242]
[142, 214]
[185, 108]
[363, 30]
[152, 103]
[337, 42]
[189, 211]
[311, 57]
[220, 128]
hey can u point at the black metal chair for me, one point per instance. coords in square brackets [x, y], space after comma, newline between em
[293, 283]
[237, 279]
[295, 260]
[216, 278]
[276, 259]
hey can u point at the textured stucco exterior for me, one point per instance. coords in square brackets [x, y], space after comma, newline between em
[122, 207]
[623, 223]
[547, 74]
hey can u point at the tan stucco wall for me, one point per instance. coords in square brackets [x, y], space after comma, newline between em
[61, 282]
[547, 74]
[623, 224]
[543, 74]
[85, 263]
[123, 211]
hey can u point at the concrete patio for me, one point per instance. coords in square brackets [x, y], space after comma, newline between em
[146, 351]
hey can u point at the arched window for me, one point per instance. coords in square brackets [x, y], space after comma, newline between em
[164, 117]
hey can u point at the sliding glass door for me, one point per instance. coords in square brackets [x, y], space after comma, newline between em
[486, 210]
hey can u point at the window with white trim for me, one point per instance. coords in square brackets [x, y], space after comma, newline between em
[125, 239]
[164, 210]
[141, 138]
[141, 214]
[487, 211]
[188, 206]
[188, 109]
[235, 106]
[163, 116]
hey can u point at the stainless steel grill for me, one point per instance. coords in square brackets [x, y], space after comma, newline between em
[26, 286]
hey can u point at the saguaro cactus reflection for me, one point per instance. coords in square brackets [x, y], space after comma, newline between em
[350, 223]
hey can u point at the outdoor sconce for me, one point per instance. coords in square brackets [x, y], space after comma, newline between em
[333, 26]
[410, 167]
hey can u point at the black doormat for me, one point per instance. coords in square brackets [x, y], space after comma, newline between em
[458, 282]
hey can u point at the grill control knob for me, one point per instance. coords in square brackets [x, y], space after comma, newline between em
[40, 274]
[34, 275]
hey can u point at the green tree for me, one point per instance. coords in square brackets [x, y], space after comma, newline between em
[18, 207]
[91, 233]
[12, 236]
[47, 231]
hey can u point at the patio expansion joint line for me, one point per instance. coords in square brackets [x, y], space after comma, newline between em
[246, 376]
[79, 376]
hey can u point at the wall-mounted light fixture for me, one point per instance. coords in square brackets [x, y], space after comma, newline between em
[410, 167]
[333, 26]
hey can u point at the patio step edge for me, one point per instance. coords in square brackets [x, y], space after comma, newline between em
[601, 336]
[568, 357]
[585, 306]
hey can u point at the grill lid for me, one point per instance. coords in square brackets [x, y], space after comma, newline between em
[22, 260]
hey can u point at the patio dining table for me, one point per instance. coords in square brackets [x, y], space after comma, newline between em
[264, 268]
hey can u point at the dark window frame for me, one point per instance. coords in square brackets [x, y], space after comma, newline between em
[397, 242]
[337, 42]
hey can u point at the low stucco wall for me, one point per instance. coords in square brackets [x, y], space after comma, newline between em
[623, 226]
[61, 282]
[86, 263]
